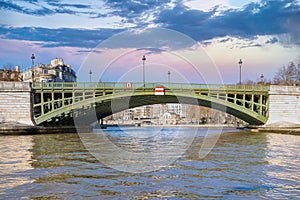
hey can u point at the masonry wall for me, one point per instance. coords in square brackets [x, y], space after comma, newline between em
[15, 103]
[284, 106]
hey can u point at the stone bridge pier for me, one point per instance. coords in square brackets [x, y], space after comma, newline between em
[284, 106]
[16, 103]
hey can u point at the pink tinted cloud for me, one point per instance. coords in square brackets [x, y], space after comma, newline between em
[18, 52]
[117, 64]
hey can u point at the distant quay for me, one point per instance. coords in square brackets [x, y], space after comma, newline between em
[11, 128]
[14, 128]
[279, 130]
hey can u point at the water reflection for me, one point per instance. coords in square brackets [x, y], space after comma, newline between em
[242, 165]
[120, 150]
[233, 168]
[15, 161]
[283, 171]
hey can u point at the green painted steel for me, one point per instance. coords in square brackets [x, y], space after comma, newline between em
[55, 102]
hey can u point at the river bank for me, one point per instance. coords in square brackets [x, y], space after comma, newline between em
[10, 128]
[279, 130]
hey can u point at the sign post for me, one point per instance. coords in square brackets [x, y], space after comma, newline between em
[128, 84]
[159, 90]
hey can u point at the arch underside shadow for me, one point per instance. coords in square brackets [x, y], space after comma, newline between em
[246, 115]
[89, 110]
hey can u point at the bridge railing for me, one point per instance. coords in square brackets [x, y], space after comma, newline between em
[138, 85]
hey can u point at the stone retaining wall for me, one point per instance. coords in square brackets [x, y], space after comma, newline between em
[15, 103]
[284, 106]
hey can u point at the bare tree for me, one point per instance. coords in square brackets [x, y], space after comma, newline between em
[8, 66]
[250, 82]
[286, 75]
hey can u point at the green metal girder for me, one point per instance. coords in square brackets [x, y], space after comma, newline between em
[206, 95]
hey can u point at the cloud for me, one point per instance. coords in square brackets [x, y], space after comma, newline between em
[154, 38]
[139, 13]
[225, 40]
[18, 52]
[264, 18]
[151, 50]
[49, 7]
[134, 8]
[10, 6]
[52, 3]
[293, 27]
[40, 11]
[272, 41]
[251, 45]
[280, 17]
[59, 37]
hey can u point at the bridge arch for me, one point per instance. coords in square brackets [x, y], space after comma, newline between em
[91, 104]
[233, 109]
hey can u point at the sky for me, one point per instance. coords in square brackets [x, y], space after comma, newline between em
[197, 41]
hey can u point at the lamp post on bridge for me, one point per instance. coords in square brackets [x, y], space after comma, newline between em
[240, 63]
[262, 78]
[169, 76]
[32, 67]
[144, 60]
[90, 75]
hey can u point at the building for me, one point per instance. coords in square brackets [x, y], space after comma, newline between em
[178, 109]
[10, 75]
[56, 71]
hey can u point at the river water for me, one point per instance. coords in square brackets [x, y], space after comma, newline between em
[241, 165]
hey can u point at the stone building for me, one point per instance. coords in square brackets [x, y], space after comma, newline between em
[56, 71]
[10, 75]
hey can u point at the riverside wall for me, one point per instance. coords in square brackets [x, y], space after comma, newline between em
[16, 103]
[284, 106]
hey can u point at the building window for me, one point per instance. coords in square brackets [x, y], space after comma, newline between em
[45, 71]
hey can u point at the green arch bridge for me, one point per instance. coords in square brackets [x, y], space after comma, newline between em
[62, 102]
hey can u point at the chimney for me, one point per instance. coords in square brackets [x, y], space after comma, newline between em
[18, 68]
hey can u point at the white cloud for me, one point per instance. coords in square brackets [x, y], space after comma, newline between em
[59, 20]
[206, 5]
[264, 59]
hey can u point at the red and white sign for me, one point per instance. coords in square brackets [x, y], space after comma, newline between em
[159, 90]
[128, 85]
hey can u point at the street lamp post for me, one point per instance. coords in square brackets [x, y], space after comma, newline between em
[144, 60]
[90, 75]
[262, 78]
[169, 76]
[32, 67]
[240, 63]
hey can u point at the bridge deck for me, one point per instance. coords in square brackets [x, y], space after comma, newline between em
[57, 101]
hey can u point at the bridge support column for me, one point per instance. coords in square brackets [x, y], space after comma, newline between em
[284, 106]
[16, 103]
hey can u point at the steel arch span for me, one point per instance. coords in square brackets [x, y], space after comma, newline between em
[62, 102]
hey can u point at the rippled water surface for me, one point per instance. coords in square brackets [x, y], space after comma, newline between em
[241, 165]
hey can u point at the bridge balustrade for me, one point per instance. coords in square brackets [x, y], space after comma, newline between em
[56, 99]
[137, 85]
